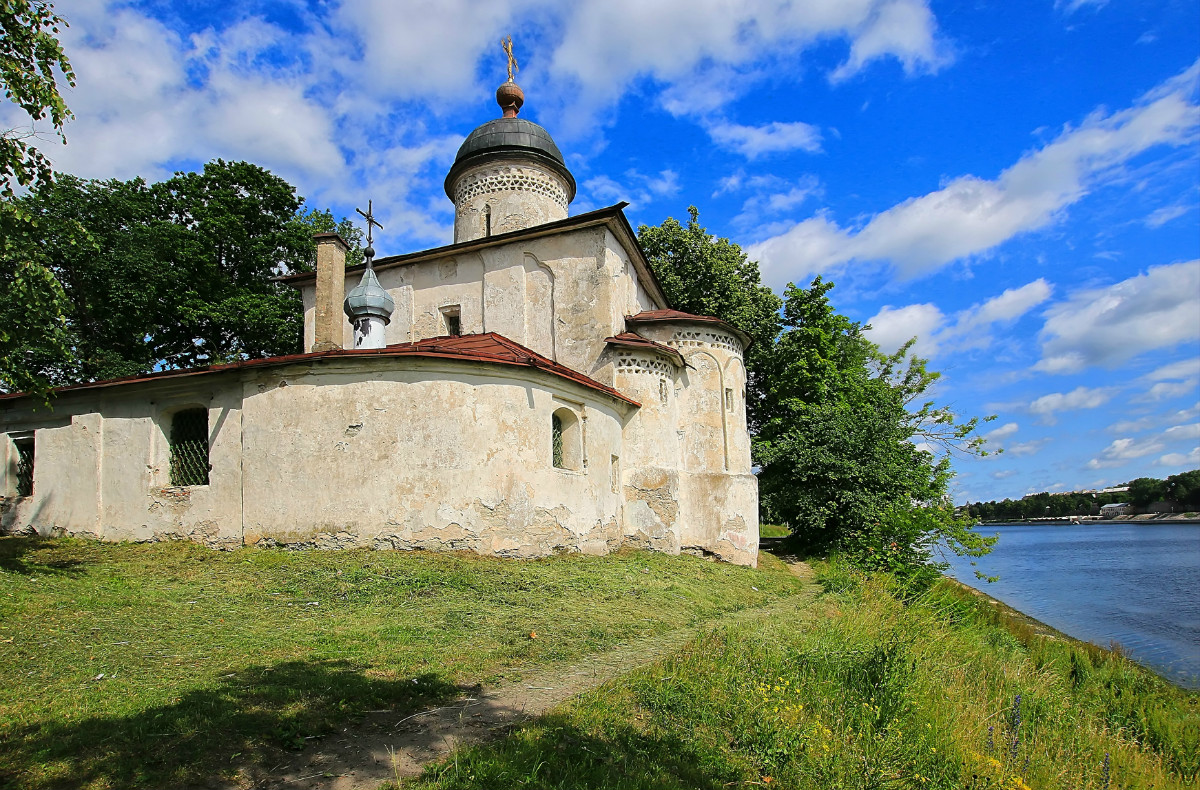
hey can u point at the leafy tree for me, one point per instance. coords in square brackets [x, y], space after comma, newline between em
[29, 56]
[32, 313]
[1184, 488]
[178, 273]
[1145, 490]
[706, 275]
[838, 444]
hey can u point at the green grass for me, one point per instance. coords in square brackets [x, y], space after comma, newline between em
[156, 665]
[939, 692]
[773, 531]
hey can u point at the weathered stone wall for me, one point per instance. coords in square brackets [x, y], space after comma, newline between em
[434, 456]
[709, 481]
[499, 197]
[102, 467]
[368, 452]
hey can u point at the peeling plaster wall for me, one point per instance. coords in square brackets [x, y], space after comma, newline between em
[430, 456]
[690, 452]
[102, 468]
[423, 454]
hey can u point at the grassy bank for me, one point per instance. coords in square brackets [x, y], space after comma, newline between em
[944, 691]
[155, 665]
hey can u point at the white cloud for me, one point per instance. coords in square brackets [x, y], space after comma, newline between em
[1025, 448]
[1187, 432]
[1003, 432]
[971, 215]
[1166, 390]
[775, 137]
[1004, 474]
[608, 44]
[1108, 326]
[1071, 6]
[637, 189]
[1176, 371]
[1162, 216]
[1047, 406]
[1190, 459]
[891, 327]
[1122, 451]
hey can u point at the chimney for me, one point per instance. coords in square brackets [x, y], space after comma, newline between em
[331, 291]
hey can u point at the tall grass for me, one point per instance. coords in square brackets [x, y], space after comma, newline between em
[160, 665]
[886, 689]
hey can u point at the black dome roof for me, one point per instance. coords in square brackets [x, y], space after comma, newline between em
[509, 138]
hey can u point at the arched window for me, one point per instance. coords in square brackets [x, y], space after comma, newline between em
[556, 440]
[566, 440]
[189, 448]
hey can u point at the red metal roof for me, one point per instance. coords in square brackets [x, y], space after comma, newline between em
[633, 340]
[489, 348]
[659, 316]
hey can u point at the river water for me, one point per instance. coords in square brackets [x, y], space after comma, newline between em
[1136, 584]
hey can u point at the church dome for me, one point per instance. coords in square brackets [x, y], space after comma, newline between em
[509, 139]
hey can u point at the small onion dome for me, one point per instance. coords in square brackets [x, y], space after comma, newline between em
[368, 299]
[510, 139]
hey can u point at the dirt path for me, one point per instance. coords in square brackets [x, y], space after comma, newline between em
[386, 746]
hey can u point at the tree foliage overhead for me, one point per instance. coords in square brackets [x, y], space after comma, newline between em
[30, 54]
[173, 274]
[32, 315]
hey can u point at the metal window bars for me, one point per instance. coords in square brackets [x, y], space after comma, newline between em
[189, 448]
[556, 440]
[24, 467]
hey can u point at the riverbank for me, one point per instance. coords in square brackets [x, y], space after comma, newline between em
[1144, 518]
[870, 687]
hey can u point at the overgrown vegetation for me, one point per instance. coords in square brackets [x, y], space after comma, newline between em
[841, 432]
[159, 665]
[939, 692]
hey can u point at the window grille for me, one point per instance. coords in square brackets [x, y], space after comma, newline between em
[453, 326]
[556, 440]
[189, 448]
[24, 467]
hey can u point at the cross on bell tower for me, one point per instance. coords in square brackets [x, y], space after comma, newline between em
[369, 307]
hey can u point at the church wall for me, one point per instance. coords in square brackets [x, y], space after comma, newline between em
[651, 478]
[431, 456]
[102, 466]
[717, 492]
[498, 197]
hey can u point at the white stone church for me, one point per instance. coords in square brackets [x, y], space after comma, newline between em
[523, 391]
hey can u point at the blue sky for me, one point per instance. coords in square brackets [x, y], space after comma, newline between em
[1016, 183]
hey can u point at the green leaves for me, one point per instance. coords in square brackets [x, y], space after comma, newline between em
[30, 56]
[167, 275]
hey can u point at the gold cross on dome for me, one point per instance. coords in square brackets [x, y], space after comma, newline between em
[513, 68]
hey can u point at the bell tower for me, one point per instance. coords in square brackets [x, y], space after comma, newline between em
[508, 174]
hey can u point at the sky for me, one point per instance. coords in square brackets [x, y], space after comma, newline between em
[1016, 184]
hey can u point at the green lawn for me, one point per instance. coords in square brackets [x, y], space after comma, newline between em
[156, 664]
[875, 692]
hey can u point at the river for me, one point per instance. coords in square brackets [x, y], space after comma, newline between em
[1136, 584]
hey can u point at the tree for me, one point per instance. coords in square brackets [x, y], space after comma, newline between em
[32, 315]
[843, 459]
[1145, 490]
[178, 273]
[29, 56]
[706, 275]
[1184, 488]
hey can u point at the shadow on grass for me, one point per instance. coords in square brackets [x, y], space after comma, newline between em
[556, 752]
[35, 555]
[246, 719]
